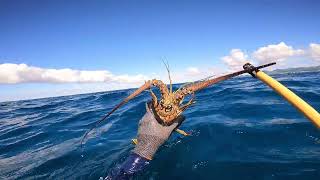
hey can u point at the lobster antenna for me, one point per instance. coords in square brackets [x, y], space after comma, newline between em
[168, 70]
[131, 96]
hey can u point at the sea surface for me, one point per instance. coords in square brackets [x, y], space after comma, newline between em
[240, 129]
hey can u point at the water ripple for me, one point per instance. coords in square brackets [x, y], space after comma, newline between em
[239, 126]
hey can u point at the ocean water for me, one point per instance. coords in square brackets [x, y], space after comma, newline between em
[240, 128]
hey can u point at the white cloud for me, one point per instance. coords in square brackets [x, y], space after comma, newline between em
[276, 52]
[196, 73]
[83, 81]
[315, 51]
[69, 81]
[193, 70]
[22, 73]
[286, 56]
[236, 59]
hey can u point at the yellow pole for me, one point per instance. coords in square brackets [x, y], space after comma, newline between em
[291, 97]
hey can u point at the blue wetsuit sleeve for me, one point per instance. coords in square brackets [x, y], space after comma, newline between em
[134, 163]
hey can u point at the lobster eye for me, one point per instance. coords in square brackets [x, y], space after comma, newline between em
[168, 108]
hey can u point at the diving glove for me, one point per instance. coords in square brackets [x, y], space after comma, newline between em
[151, 134]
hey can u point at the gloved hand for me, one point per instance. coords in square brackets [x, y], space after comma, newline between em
[151, 134]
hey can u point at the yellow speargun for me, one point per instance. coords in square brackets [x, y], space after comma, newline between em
[287, 94]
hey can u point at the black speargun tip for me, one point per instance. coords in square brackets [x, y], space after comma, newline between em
[252, 69]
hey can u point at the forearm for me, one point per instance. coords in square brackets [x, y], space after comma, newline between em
[151, 135]
[133, 164]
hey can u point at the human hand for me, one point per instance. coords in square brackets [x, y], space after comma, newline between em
[152, 134]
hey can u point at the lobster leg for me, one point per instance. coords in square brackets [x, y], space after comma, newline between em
[182, 132]
[154, 98]
[162, 87]
[189, 103]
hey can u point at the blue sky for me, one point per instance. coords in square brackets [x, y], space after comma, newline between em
[131, 37]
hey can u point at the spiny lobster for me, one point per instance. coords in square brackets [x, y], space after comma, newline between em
[170, 105]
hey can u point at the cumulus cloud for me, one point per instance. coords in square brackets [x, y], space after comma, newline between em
[285, 55]
[22, 73]
[276, 52]
[236, 59]
[193, 71]
[315, 51]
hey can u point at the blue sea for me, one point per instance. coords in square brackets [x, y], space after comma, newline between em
[240, 129]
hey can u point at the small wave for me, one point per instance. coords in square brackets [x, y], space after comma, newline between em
[236, 126]
[281, 121]
[98, 131]
[16, 166]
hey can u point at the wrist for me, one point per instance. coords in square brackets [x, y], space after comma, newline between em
[147, 146]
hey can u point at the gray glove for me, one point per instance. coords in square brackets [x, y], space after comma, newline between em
[151, 134]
